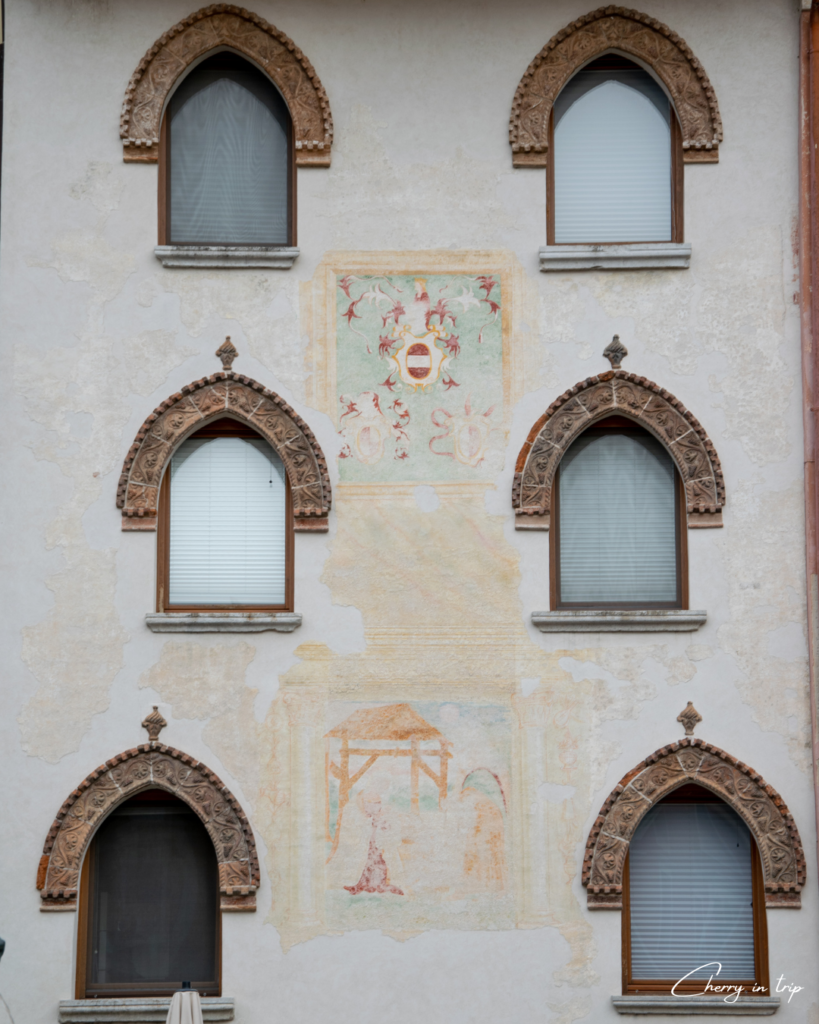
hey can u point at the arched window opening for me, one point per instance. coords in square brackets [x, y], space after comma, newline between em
[226, 524]
[149, 902]
[618, 536]
[227, 147]
[693, 899]
[615, 171]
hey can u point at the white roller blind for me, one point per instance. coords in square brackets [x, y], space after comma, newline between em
[617, 521]
[612, 160]
[227, 542]
[229, 168]
[691, 894]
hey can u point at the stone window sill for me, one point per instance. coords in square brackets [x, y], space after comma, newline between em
[224, 256]
[671, 620]
[136, 1011]
[695, 1006]
[222, 622]
[634, 256]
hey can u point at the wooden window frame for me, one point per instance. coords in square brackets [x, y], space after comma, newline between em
[164, 178]
[219, 428]
[677, 182]
[634, 986]
[85, 938]
[618, 424]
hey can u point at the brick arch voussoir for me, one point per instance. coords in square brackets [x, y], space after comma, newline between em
[193, 37]
[693, 760]
[615, 28]
[149, 766]
[224, 394]
[648, 405]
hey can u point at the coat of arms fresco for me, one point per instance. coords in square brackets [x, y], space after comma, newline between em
[417, 815]
[419, 371]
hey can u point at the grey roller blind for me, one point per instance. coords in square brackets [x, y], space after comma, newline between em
[227, 530]
[229, 163]
[617, 524]
[691, 894]
[155, 889]
[612, 159]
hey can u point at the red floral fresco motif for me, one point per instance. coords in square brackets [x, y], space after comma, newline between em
[366, 428]
[417, 333]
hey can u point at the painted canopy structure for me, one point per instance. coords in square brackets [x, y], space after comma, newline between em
[395, 723]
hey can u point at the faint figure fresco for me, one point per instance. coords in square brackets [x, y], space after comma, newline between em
[416, 815]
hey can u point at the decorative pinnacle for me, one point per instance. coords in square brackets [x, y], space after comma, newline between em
[227, 352]
[154, 723]
[690, 718]
[615, 352]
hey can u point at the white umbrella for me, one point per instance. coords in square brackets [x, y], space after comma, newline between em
[185, 1008]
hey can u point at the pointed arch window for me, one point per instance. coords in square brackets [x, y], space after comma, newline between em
[619, 534]
[227, 171]
[615, 167]
[149, 903]
[693, 900]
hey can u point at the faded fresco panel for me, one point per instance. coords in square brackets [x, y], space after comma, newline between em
[417, 816]
[419, 376]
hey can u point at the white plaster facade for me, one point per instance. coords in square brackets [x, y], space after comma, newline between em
[97, 333]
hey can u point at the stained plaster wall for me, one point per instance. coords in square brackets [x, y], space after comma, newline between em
[413, 596]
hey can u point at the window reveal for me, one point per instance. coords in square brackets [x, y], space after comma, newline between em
[617, 537]
[615, 166]
[693, 899]
[227, 144]
[150, 901]
[226, 532]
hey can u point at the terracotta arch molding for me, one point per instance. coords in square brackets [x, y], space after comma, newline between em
[149, 766]
[211, 27]
[625, 394]
[692, 760]
[241, 398]
[631, 33]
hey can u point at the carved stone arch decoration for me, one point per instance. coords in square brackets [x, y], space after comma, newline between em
[211, 27]
[692, 760]
[636, 398]
[241, 398]
[149, 766]
[636, 35]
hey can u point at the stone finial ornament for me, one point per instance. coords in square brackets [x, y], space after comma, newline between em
[615, 352]
[689, 718]
[154, 723]
[227, 352]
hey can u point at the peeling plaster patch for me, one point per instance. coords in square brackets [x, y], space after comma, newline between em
[553, 794]
[699, 652]
[529, 685]
[99, 186]
[375, 201]
[426, 498]
[758, 386]
[765, 556]
[571, 1010]
[660, 309]
[245, 297]
[788, 642]
[78, 399]
[209, 683]
[74, 653]
[149, 357]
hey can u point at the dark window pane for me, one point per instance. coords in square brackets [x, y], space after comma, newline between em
[154, 892]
